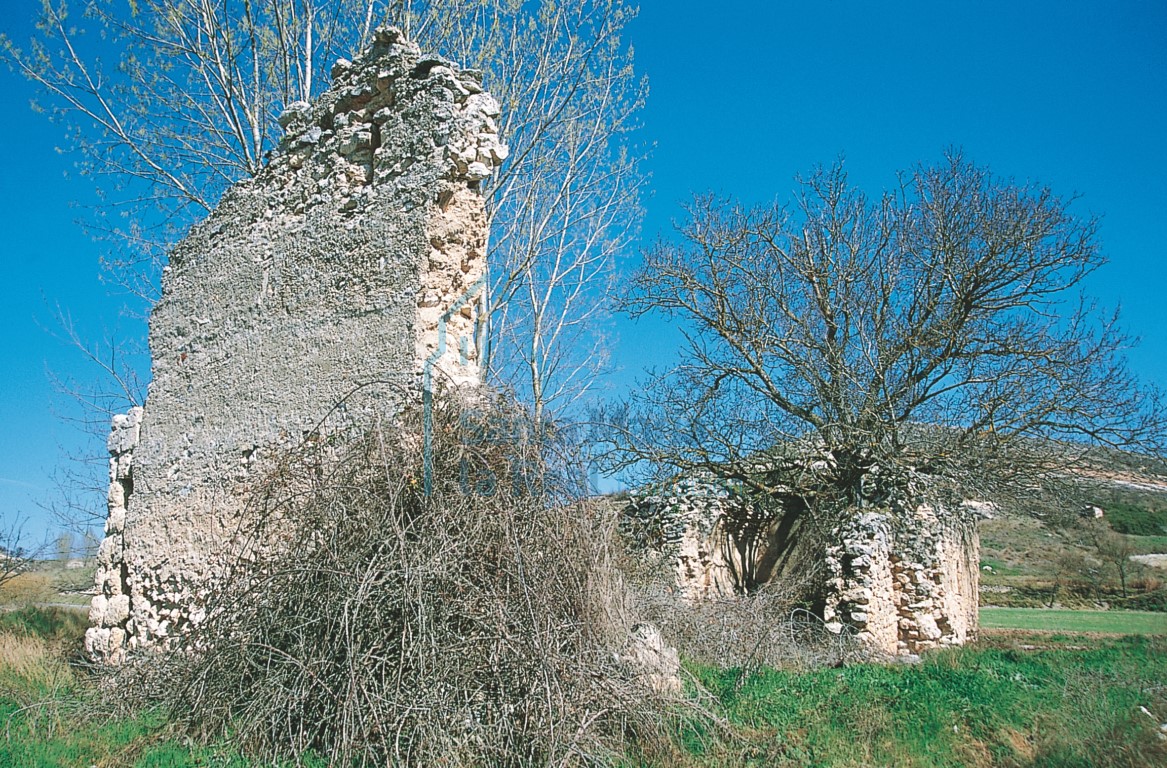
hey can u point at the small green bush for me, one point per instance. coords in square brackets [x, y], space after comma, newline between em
[1135, 520]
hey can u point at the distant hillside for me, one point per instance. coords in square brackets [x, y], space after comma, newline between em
[1079, 560]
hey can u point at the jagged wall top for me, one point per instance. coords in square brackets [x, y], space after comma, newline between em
[357, 137]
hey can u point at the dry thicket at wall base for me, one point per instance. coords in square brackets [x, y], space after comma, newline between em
[772, 626]
[378, 625]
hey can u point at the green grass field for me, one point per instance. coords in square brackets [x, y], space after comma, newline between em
[1150, 544]
[999, 703]
[1044, 620]
[995, 704]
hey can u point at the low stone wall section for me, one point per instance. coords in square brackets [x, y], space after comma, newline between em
[901, 582]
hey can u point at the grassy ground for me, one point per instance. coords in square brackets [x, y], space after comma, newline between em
[50, 582]
[1006, 702]
[1105, 622]
[1149, 545]
[993, 705]
[53, 717]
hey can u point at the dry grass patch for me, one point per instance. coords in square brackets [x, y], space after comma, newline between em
[27, 588]
[30, 663]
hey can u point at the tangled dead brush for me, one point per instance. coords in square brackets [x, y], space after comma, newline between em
[765, 629]
[773, 626]
[478, 624]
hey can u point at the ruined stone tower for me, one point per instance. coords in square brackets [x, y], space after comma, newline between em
[347, 274]
[900, 579]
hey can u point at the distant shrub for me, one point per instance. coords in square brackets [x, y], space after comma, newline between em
[1146, 583]
[1135, 520]
[1155, 600]
[74, 580]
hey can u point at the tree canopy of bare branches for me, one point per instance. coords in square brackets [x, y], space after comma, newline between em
[841, 344]
[166, 103]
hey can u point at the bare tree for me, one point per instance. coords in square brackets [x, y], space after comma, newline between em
[64, 546]
[1114, 549]
[564, 217]
[16, 556]
[565, 207]
[168, 102]
[113, 381]
[936, 334]
[110, 382]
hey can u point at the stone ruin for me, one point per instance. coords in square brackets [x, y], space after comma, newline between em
[904, 583]
[343, 279]
[346, 274]
[900, 582]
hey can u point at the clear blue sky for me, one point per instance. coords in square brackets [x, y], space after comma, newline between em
[744, 95]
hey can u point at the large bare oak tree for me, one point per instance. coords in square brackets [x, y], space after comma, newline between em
[851, 348]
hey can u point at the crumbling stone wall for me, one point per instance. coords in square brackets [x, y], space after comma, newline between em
[901, 582]
[351, 270]
[681, 526]
[110, 608]
[716, 543]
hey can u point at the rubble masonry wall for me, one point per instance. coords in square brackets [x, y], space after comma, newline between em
[900, 582]
[347, 271]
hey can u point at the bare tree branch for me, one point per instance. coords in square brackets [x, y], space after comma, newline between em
[937, 331]
[169, 102]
